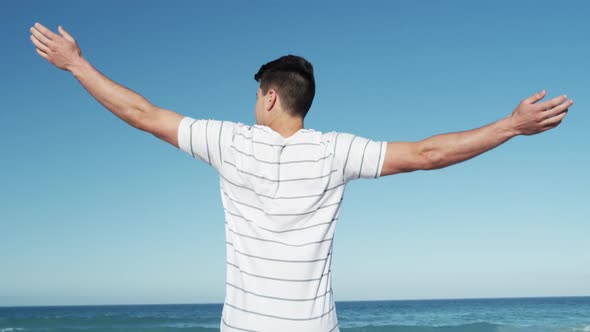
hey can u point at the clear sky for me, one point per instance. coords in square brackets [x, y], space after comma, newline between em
[93, 211]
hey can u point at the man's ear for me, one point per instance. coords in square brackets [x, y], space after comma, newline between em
[270, 99]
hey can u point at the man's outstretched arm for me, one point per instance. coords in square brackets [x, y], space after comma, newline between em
[529, 118]
[63, 52]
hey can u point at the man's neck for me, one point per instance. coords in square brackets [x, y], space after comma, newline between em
[286, 126]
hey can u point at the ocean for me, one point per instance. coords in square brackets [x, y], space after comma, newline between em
[548, 314]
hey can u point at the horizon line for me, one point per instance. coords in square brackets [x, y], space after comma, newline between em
[344, 301]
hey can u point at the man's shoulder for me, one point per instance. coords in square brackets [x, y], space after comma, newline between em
[319, 133]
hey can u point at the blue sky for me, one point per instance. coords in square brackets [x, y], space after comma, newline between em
[94, 211]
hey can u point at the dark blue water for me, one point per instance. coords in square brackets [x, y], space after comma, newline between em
[558, 314]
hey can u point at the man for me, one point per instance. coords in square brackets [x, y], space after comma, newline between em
[281, 184]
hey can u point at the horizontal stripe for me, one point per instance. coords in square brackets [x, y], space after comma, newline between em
[275, 231]
[279, 317]
[257, 142]
[279, 162]
[279, 242]
[280, 197]
[241, 329]
[281, 214]
[278, 298]
[236, 328]
[299, 144]
[277, 279]
[281, 260]
[279, 145]
[280, 180]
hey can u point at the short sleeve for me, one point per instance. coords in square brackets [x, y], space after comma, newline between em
[358, 157]
[205, 139]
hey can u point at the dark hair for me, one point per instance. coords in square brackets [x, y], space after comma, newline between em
[292, 77]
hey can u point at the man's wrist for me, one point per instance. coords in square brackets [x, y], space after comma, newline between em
[508, 127]
[78, 66]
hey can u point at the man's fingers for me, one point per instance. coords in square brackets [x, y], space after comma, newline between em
[65, 34]
[39, 44]
[535, 98]
[558, 109]
[554, 121]
[40, 37]
[43, 54]
[45, 31]
[549, 104]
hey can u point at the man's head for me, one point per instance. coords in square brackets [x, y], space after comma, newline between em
[288, 79]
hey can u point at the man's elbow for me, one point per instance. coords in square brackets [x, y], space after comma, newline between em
[405, 157]
[432, 158]
[142, 119]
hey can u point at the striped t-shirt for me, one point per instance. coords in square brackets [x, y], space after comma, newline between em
[281, 198]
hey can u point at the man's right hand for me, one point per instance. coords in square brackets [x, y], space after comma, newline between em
[530, 118]
[60, 50]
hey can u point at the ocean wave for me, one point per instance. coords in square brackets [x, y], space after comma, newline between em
[107, 323]
[470, 327]
[110, 329]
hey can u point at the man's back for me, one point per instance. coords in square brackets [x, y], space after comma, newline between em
[281, 198]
